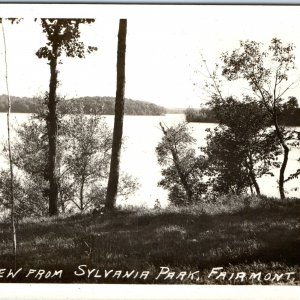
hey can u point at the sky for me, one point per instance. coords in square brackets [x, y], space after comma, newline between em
[165, 46]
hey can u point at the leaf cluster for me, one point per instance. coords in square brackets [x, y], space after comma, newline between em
[242, 143]
[63, 37]
[182, 169]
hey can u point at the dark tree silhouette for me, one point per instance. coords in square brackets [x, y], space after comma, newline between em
[269, 82]
[113, 180]
[63, 38]
[183, 169]
[175, 156]
[242, 148]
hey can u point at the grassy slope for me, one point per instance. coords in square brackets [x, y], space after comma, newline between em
[188, 239]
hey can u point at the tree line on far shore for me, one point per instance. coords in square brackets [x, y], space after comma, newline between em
[288, 117]
[105, 105]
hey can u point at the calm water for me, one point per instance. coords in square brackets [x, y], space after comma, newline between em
[142, 134]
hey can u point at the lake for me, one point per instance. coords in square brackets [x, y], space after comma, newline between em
[138, 158]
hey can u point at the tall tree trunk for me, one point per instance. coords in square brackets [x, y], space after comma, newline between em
[254, 182]
[12, 198]
[60, 192]
[81, 193]
[252, 176]
[251, 188]
[52, 136]
[181, 174]
[113, 180]
[286, 151]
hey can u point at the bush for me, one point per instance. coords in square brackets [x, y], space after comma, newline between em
[83, 157]
[183, 170]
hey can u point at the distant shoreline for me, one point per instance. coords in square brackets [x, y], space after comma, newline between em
[291, 119]
[104, 105]
[137, 115]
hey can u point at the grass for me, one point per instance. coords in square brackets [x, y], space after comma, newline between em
[239, 234]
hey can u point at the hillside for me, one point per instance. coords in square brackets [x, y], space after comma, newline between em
[106, 104]
[151, 244]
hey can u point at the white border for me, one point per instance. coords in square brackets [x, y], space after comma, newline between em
[145, 292]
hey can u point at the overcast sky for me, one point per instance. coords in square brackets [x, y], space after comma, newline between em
[164, 48]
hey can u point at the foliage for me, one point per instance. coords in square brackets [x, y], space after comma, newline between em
[28, 195]
[31, 140]
[128, 185]
[62, 38]
[226, 165]
[29, 156]
[296, 174]
[64, 34]
[205, 115]
[242, 148]
[250, 62]
[267, 74]
[182, 169]
[11, 20]
[132, 107]
[83, 155]
[290, 115]
[87, 152]
[107, 104]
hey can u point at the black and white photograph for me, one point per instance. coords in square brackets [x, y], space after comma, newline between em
[150, 144]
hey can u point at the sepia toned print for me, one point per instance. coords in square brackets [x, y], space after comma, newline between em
[150, 145]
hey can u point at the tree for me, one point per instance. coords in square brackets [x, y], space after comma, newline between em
[296, 174]
[28, 197]
[30, 161]
[267, 74]
[113, 180]
[183, 170]
[87, 155]
[204, 115]
[83, 155]
[11, 181]
[242, 148]
[228, 174]
[63, 38]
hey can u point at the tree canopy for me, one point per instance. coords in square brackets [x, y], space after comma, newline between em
[267, 72]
